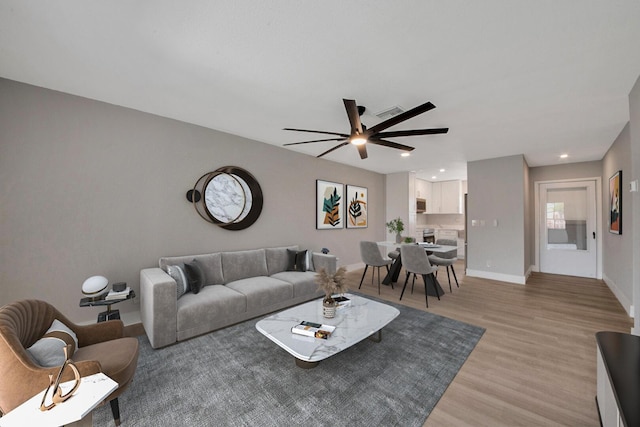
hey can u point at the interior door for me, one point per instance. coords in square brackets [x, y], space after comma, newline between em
[567, 240]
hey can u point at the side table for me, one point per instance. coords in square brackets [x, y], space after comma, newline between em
[109, 314]
[74, 412]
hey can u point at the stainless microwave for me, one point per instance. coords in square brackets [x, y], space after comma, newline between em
[421, 205]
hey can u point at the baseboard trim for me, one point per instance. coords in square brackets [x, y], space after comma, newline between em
[353, 267]
[621, 297]
[509, 278]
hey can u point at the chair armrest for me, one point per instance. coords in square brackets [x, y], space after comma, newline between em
[99, 332]
[158, 306]
[326, 261]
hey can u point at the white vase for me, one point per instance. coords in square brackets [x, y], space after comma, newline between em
[398, 238]
[329, 310]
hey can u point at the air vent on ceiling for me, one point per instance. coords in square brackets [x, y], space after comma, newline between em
[390, 112]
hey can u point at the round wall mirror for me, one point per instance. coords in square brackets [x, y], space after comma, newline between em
[232, 198]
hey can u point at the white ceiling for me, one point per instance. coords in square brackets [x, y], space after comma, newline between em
[538, 78]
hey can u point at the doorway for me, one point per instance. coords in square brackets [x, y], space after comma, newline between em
[567, 228]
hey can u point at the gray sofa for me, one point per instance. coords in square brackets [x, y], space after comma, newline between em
[239, 285]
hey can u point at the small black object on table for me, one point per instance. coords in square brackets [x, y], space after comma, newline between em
[109, 314]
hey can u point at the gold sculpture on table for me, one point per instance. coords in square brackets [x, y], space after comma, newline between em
[56, 395]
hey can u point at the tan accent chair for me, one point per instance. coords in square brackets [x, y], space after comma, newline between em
[102, 347]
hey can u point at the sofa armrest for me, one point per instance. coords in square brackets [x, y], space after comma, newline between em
[158, 306]
[326, 261]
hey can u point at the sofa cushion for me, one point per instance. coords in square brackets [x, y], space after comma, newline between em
[196, 313]
[182, 284]
[48, 350]
[262, 291]
[211, 265]
[278, 259]
[195, 275]
[244, 264]
[303, 282]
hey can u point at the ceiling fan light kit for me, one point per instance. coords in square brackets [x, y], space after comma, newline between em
[358, 140]
[360, 135]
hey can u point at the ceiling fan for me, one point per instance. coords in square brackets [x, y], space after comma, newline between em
[360, 135]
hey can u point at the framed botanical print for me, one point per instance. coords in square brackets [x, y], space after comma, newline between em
[329, 205]
[615, 203]
[357, 215]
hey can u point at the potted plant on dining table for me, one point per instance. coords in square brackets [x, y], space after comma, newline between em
[396, 226]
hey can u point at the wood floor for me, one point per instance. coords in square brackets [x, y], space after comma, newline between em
[536, 362]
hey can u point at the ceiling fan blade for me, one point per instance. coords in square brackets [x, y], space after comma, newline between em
[334, 148]
[344, 135]
[315, 140]
[391, 144]
[414, 132]
[354, 117]
[362, 150]
[401, 117]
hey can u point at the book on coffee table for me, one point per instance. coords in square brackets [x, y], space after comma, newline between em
[342, 301]
[311, 329]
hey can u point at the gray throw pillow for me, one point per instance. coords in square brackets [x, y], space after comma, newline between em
[177, 273]
[48, 350]
[195, 275]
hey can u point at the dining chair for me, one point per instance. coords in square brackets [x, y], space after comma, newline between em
[446, 260]
[415, 261]
[371, 256]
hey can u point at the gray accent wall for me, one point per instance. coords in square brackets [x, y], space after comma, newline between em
[92, 188]
[496, 192]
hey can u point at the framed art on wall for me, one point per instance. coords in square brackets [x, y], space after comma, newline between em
[329, 206]
[615, 203]
[357, 215]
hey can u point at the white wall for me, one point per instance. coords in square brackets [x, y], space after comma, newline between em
[634, 114]
[400, 202]
[91, 188]
[617, 249]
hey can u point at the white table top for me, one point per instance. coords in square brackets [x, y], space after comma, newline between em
[355, 322]
[435, 249]
[93, 389]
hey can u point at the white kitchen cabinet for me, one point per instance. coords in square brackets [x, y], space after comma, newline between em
[434, 204]
[461, 248]
[423, 189]
[446, 197]
[451, 197]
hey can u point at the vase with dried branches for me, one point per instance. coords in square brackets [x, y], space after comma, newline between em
[331, 284]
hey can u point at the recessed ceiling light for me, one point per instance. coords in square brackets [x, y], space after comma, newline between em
[434, 177]
[405, 154]
[441, 170]
[564, 156]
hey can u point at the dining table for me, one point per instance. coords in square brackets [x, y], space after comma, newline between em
[396, 266]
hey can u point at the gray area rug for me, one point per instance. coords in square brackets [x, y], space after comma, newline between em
[238, 377]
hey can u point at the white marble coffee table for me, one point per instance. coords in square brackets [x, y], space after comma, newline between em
[362, 319]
